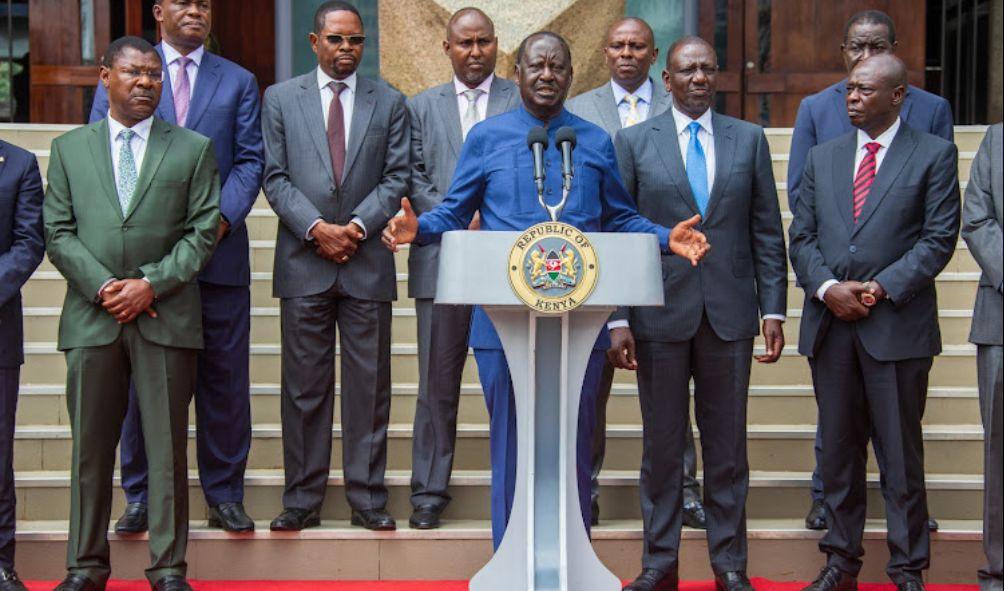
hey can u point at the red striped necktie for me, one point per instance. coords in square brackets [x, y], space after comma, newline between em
[864, 178]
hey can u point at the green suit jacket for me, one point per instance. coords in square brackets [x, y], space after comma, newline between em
[167, 235]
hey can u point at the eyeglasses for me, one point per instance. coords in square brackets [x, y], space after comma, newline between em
[154, 75]
[354, 40]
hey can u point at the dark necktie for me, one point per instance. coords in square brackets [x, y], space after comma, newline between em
[336, 131]
[864, 178]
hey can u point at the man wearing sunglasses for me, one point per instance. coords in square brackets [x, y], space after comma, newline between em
[336, 168]
[218, 99]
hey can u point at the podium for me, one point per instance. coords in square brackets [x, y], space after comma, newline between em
[546, 547]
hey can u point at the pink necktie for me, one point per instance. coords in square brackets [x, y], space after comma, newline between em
[182, 92]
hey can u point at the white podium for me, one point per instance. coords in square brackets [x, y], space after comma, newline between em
[545, 547]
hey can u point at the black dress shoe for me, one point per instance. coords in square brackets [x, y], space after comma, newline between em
[74, 582]
[733, 581]
[816, 519]
[171, 583]
[374, 519]
[9, 581]
[651, 579]
[932, 524]
[292, 519]
[230, 517]
[694, 515]
[594, 517]
[911, 585]
[425, 517]
[133, 520]
[832, 578]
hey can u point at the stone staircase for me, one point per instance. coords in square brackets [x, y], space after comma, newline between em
[782, 418]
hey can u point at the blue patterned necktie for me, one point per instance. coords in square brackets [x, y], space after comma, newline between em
[126, 184]
[697, 169]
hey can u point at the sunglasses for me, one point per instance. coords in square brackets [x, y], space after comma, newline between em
[354, 40]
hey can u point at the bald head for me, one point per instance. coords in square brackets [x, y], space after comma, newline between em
[630, 51]
[471, 45]
[876, 88]
[685, 42]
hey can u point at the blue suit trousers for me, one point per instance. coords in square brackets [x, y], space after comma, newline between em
[493, 370]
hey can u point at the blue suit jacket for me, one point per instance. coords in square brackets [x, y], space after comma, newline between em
[21, 243]
[823, 117]
[494, 175]
[225, 108]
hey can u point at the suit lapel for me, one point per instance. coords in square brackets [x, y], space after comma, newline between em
[904, 112]
[101, 154]
[900, 151]
[498, 98]
[362, 111]
[606, 106]
[206, 82]
[725, 147]
[165, 110]
[840, 107]
[843, 178]
[666, 142]
[447, 105]
[661, 100]
[160, 141]
[310, 107]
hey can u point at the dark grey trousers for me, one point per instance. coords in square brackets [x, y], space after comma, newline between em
[443, 332]
[721, 373]
[308, 391]
[8, 408]
[989, 364]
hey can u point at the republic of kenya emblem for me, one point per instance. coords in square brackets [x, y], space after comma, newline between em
[552, 267]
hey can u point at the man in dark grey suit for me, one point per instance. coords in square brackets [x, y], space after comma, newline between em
[691, 161]
[981, 229]
[877, 220]
[336, 167]
[631, 97]
[440, 119]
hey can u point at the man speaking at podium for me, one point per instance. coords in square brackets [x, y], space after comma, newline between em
[495, 175]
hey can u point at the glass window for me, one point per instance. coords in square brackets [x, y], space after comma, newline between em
[14, 68]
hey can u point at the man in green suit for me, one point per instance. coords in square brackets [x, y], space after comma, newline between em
[131, 214]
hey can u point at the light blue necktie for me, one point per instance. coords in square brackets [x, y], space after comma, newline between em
[697, 169]
[127, 170]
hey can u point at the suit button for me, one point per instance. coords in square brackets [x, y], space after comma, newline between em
[853, 249]
[331, 188]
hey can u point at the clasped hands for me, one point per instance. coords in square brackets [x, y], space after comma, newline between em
[336, 243]
[125, 299]
[852, 300]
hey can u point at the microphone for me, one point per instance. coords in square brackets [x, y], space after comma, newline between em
[536, 140]
[565, 138]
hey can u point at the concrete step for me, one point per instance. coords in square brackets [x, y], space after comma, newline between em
[45, 404]
[45, 495]
[780, 550]
[955, 367]
[771, 448]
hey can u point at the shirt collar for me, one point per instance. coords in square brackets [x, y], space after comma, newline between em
[552, 125]
[486, 85]
[142, 128]
[323, 80]
[171, 54]
[683, 121]
[883, 140]
[643, 94]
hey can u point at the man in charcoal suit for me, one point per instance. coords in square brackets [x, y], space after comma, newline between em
[440, 118]
[21, 247]
[691, 160]
[336, 168]
[631, 97]
[981, 229]
[218, 99]
[870, 317]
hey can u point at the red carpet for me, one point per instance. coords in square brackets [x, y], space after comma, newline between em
[760, 584]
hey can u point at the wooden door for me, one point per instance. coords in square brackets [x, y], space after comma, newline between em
[773, 53]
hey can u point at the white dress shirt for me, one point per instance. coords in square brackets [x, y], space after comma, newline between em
[883, 140]
[481, 104]
[705, 137]
[347, 97]
[348, 100]
[172, 55]
[643, 94]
